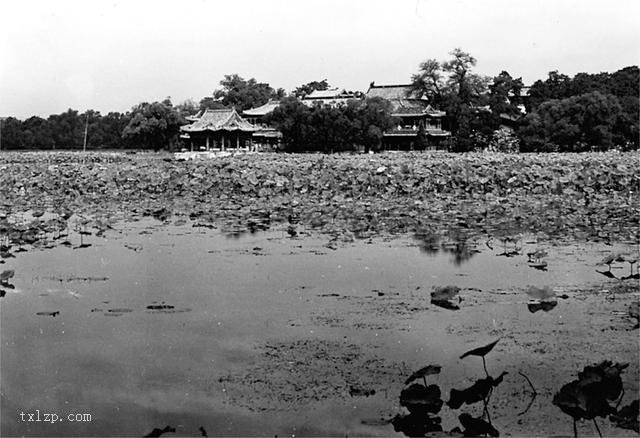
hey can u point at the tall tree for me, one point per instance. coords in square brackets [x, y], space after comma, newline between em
[454, 88]
[153, 126]
[244, 94]
[308, 88]
[459, 68]
[429, 81]
[504, 95]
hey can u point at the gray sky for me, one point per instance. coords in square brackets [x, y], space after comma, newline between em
[111, 55]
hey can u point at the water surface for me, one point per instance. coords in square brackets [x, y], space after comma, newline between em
[265, 334]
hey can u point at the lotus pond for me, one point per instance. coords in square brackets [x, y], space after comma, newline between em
[409, 294]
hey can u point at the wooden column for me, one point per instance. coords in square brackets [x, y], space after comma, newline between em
[207, 142]
[223, 145]
[191, 145]
[237, 141]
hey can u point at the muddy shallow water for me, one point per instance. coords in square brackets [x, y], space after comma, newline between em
[265, 334]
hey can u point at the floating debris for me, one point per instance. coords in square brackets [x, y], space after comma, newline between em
[57, 312]
[545, 306]
[6, 275]
[443, 296]
[544, 299]
[361, 392]
[539, 265]
[160, 307]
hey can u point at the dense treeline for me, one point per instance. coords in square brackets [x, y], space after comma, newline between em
[147, 126]
[66, 131]
[587, 112]
[358, 124]
[563, 114]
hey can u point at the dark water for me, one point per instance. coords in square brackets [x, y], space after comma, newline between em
[153, 319]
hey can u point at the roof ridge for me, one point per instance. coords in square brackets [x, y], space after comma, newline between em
[389, 86]
[218, 110]
[233, 111]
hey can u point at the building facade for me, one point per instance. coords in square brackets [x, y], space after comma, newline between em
[218, 129]
[265, 137]
[420, 127]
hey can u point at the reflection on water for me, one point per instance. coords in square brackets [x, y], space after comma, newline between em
[461, 248]
[149, 325]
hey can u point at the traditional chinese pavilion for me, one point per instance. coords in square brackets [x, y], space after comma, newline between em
[417, 117]
[266, 137]
[219, 129]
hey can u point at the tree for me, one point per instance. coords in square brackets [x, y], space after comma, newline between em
[67, 129]
[304, 90]
[504, 93]
[615, 94]
[575, 124]
[153, 125]
[187, 108]
[334, 128]
[113, 125]
[329, 129]
[37, 133]
[625, 82]
[458, 69]
[106, 131]
[429, 81]
[556, 86]
[454, 88]
[210, 103]
[241, 94]
[12, 133]
[373, 118]
[291, 118]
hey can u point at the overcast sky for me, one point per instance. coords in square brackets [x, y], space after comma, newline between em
[111, 55]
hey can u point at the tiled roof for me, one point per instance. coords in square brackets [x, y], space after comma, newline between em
[262, 110]
[391, 92]
[332, 93]
[220, 120]
[403, 101]
[195, 117]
